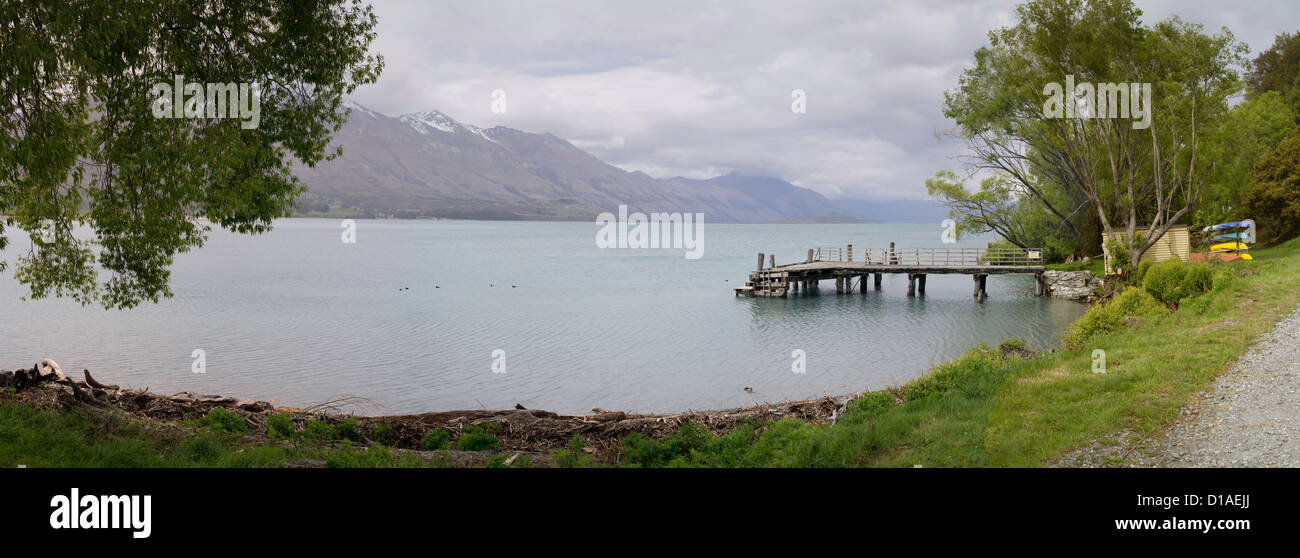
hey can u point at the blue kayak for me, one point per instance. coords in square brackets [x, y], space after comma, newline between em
[1248, 223]
[1243, 236]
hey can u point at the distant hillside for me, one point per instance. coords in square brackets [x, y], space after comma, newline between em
[427, 164]
[827, 218]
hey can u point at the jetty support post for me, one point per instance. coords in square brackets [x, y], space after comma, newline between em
[850, 258]
[911, 284]
[771, 261]
[1040, 285]
[981, 282]
[810, 255]
[760, 261]
[862, 281]
[877, 280]
[920, 283]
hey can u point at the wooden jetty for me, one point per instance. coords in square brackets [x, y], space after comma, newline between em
[844, 265]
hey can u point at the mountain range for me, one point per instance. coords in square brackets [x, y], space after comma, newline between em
[427, 164]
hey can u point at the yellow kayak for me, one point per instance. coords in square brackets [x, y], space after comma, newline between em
[1227, 246]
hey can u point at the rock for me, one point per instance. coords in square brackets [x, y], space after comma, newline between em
[1074, 285]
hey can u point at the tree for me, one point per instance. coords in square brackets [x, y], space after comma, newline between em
[1273, 199]
[992, 208]
[1127, 172]
[101, 183]
[1278, 69]
[1250, 130]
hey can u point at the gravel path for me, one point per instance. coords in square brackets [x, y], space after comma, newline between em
[1249, 418]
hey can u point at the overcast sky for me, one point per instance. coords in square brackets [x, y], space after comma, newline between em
[697, 88]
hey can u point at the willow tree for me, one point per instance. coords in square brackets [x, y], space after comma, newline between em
[1081, 92]
[82, 144]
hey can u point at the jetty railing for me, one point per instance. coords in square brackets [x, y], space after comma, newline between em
[931, 256]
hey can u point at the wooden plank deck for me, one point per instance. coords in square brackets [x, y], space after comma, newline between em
[857, 268]
[843, 265]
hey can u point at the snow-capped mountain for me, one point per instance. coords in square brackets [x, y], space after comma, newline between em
[429, 164]
[431, 120]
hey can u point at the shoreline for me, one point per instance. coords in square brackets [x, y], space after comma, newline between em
[527, 430]
[1003, 406]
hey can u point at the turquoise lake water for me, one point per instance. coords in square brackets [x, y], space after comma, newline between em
[413, 316]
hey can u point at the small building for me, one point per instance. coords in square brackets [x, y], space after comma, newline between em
[1176, 243]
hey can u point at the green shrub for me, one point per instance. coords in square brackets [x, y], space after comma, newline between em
[643, 450]
[1198, 281]
[1171, 281]
[478, 437]
[346, 429]
[279, 426]
[1109, 317]
[223, 421]
[317, 431]
[202, 449]
[1119, 262]
[435, 439]
[384, 433]
[1134, 302]
[871, 404]
[1138, 276]
[949, 375]
[573, 455]
[1164, 281]
[1273, 195]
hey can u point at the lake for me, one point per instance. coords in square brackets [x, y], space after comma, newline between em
[439, 315]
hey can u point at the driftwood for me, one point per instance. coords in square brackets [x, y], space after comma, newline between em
[92, 383]
[532, 432]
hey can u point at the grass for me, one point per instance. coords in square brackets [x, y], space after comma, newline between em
[79, 438]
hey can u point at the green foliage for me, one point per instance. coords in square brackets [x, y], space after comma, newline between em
[80, 146]
[1171, 281]
[1109, 317]
[1236, 143]
[1119, 259]
[346, 429]
[642, 450]
[316, 431]
[478, 437]
[1273, 198]
[435, 439]
[1013, 345]
[1278, 69]
[279, 426]
[384, 433]
[76, 439]
[1010, 127]
[573, 455]
[223, 421]
[949, 375]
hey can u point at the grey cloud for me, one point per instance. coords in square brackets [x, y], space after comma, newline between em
[697, 88]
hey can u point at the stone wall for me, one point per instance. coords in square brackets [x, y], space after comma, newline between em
[1074, 285]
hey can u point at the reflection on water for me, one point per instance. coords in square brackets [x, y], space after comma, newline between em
[410, 315]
